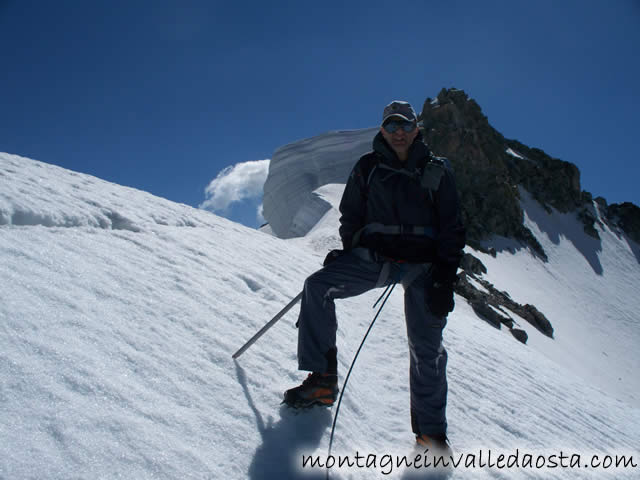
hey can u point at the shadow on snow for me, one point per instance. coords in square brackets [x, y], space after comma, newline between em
[555, 226]
[283, 442]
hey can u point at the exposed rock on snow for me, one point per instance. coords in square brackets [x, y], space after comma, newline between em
[472, 264]
[489, 168]
[627, 216]
[519, 335]
[488, 303]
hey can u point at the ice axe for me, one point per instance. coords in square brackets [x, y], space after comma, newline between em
[268, 325]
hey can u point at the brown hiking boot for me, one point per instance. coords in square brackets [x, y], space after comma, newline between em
[317, 389]
[438, 443]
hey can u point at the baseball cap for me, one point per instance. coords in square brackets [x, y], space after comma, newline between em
[400, 109]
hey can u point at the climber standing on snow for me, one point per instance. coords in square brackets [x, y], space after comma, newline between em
[400, 222]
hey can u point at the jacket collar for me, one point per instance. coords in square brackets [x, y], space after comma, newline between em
[417, 152]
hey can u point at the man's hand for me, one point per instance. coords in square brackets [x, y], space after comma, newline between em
[440, 289]
[440, 299]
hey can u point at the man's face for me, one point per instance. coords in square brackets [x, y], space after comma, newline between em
[399, 139]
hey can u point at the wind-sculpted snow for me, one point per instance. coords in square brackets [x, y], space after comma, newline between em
[115, 348]
[37, 193]
[298, 169]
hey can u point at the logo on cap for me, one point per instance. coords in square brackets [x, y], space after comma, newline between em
[400, 109]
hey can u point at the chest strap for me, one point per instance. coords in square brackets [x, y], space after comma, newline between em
[393, 230]
[428, 177]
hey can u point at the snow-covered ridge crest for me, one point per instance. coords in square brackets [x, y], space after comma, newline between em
[37, 193]
[298, 169]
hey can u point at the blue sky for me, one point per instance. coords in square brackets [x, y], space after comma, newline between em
[164, 95]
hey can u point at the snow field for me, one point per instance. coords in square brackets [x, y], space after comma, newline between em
[115, 349]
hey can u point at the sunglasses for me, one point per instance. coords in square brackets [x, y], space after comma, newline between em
[392, 127]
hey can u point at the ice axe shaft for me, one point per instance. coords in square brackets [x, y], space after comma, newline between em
[270, 324]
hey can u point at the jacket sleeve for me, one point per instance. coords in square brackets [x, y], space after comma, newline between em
[353, 206]
[451, 232]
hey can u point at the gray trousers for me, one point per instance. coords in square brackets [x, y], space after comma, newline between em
[353, 274]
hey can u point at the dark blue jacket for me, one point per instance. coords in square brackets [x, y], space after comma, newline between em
[376, 195]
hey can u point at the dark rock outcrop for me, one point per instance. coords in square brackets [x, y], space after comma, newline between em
[520, 335]
[626, 216]
[488, 303]
[484, 311]
[490, 169]
[536, 318]
[472, 265]
[455, 127]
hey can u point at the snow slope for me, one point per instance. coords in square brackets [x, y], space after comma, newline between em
[590, 289]
[119, 312]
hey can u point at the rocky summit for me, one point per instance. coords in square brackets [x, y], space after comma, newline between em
[490, 170]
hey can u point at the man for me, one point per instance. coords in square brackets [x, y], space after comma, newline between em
[400, 223]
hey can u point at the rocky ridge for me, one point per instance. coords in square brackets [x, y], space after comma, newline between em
[490, 169]
[494, 306]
